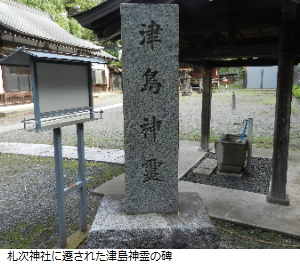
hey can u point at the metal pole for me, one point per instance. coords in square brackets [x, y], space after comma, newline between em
[34, 87]
[81, 176]
[233, 106]
[61, 208]
[206, 110]
[90, 87]
[249, 141]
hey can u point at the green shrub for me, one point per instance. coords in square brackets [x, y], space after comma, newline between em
[296, 91]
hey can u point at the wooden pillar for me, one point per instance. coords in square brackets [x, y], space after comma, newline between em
[277, 193]
[206, 109]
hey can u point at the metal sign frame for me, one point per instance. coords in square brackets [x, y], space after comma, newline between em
[39, 116]
[31, 59]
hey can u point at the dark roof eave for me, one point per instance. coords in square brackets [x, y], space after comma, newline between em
[86, 18]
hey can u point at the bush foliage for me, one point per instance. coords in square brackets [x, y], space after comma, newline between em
[62, 11]
[296, 91]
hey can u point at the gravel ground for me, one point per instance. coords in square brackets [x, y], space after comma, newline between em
[27, 198]
[108, 132]
[28, 210]
[257, 182]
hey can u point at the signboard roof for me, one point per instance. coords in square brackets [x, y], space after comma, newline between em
[61, 85]
[54, 56]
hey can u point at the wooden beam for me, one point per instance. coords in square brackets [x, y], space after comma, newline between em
[240, 22]
[215, 39]
[232, 38]
[245, 63]
[288, 11]
[268, 50]
[240, 62]
[277, 193]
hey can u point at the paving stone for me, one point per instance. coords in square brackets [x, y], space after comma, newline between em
[206, 167]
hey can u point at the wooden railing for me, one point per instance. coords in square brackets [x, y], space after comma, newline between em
[98, 88]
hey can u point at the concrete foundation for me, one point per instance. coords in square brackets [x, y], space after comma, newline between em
[190, 228]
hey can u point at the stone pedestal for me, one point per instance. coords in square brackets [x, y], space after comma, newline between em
[189, 228]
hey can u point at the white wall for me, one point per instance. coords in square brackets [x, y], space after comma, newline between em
[1, 82]
[98, 66]
[262, 77]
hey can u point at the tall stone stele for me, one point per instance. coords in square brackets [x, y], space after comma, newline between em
[151, 107]
[151, 125]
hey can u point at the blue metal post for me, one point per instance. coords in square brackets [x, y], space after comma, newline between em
[81, 176]
[90, 87]
[61, 207]
[34, 87]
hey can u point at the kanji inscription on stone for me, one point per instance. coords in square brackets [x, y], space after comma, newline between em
[150, 128]
[151, 34]
[150, 107]
[152, 170]
[151, 82]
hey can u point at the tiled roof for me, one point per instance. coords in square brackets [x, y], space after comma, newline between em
[46, 55]
[24, 20]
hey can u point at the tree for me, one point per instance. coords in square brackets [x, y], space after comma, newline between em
[62, 11]
[235, 70]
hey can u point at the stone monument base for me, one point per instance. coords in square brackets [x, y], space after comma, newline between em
[191, 228]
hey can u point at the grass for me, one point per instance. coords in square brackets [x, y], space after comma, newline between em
[258, 142]
[101, 142]
[253, 97]
[262, 142]
[96, 173]
[294, 108]
[233, 236]
[235, 86]
[193, 135]
[25, 235]
[214, 135]
[269, 101]
[31, 171]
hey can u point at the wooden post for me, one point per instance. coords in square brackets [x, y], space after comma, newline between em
[277, 193]
[206, 109]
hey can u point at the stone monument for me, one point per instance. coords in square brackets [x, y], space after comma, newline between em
[151, 107]
[151, 214]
